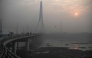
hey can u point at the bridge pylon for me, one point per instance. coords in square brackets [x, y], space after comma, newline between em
[40, 26]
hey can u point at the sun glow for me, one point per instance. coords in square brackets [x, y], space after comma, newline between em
[76, 14]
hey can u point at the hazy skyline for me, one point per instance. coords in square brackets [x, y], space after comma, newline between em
[26, 13]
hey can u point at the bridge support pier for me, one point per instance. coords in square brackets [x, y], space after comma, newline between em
[27, 44]
[35, 40]
[14, 47]
[17, 45]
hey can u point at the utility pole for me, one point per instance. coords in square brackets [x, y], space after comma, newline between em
[26, 28]
[23, 28]
[17, 28]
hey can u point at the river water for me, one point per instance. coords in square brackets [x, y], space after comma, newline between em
[71, 44]
[79, 43]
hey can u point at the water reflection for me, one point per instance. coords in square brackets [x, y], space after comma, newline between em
[67, 43]
[75, 46]
[64, 43]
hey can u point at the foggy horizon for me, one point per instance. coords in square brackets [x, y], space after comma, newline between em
[45, 28]
[75, 15]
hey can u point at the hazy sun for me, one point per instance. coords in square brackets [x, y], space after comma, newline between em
[76, 14]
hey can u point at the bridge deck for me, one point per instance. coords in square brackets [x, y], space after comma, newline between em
[8, 39]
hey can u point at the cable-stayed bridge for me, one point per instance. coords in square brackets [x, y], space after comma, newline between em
[40, 26]
[12, 42]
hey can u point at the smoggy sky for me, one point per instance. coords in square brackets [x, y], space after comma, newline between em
[75, 15]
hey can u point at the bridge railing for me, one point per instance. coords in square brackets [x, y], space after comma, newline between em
[5, 51]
